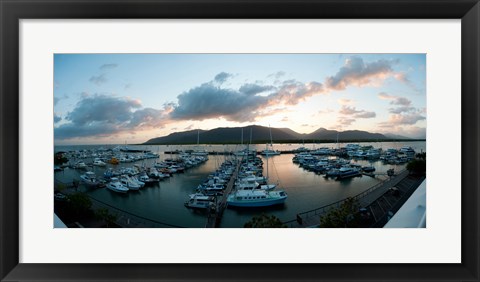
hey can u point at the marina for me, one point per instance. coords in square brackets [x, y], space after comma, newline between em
[162, 201]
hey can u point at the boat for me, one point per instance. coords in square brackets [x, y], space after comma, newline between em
[137, 181]
[98, 162]
[200, 201]
[347, 172]
[129, 183]
[256, 198]
[268, 152]
[116, 186]
[89, 179]
[114, 161]
[368, 169]
[80, 165]
[147, 180]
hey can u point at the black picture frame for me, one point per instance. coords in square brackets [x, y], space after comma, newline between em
[12, 11]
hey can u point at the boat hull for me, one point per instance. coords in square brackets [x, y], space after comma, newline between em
[265, 203]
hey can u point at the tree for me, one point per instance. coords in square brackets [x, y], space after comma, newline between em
[79, 204]
[418, 165]
[264, 221]
[344, 216]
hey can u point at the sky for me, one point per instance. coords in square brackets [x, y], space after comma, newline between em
[131, 98]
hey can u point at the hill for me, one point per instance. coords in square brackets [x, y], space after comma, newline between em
[261, 134]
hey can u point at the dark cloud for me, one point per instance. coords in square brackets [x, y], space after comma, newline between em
[101, 108]
[108, 67]
[401, 101]
[210, 101]
[101, 115]
[358, 73]
[56, 118]
[253, 89]
[98, 80]
[222, 77]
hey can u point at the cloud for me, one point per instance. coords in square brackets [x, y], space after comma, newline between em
[98, 80]
[253, 89]
[352, 111]
[400, 110]
[408, 131]
[285, 118]
[356, 72]
[345, 121]
[209, 101]
[105, 67]
[412, 118]
[277, 75]
[56, 118]
[222, 77]
[395, 100]
[188, 127]
[101, 115]
[102, 108]
[345, 101]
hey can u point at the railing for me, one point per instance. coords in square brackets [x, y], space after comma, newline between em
[323, 209]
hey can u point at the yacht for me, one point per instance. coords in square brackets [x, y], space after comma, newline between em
[256, 198]
[199, 201]
[89, 178]
[129, 183]
[98, 162]
[116, 186]
[347, 172]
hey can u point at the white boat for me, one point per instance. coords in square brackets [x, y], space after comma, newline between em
[89, 178]
[147, 180]
[347, 172]
[81, 165]
[199, 201]
[129, 183]
[98, 162]
[116, 186]
[137, 181]
[256, 198]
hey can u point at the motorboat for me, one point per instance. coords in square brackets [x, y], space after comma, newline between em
[256, 198]
[98, 162]
[116, 186]
[80, 165]
[129, 183]
[89, 179]
[200, 201]
[347, 172]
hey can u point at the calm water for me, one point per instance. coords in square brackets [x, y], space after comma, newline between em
[305, 189]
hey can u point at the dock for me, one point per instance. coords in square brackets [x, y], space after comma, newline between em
[378, 200]
[214, 218]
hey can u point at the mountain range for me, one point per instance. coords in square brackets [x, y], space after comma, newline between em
[260, 134]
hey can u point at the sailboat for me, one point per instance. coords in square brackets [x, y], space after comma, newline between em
[197, 151]
[269, 152]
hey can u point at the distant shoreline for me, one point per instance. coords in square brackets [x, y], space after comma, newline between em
[259, 142]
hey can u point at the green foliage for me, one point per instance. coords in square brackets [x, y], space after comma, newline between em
[105, 215]
[344, 216]
[264, 221]
[59, 159]
[419, 165]
[79, 203]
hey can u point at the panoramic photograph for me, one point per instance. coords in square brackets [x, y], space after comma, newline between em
[239, 140]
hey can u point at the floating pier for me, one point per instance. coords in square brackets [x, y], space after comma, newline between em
[214, 217]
